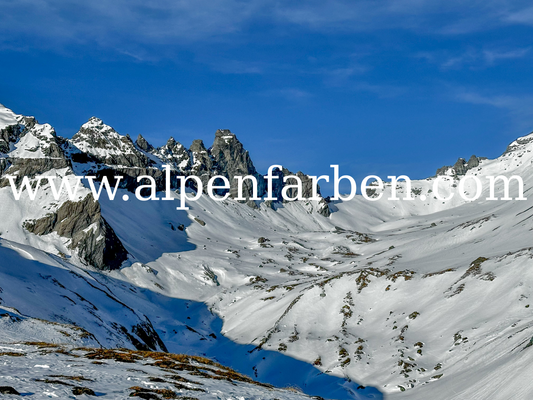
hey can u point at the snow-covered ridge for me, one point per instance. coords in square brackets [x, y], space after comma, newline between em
[97, 138]
[521, 143]
[35, 143]
[7, 117]
[24, 138]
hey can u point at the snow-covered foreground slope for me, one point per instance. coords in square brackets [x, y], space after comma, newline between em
[43, 371]
[43, 298]
[39, 293]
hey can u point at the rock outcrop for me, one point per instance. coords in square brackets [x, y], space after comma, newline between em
[233, 160]
[460, 167]
[90, 235]
[175, 154]
[143, 144]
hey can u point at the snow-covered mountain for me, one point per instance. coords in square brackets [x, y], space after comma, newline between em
[421, 298]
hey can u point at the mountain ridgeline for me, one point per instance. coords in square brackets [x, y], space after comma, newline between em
[29, 149]
[113, 153]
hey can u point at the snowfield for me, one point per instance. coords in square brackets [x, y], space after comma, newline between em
[403, 299]
[413, 298]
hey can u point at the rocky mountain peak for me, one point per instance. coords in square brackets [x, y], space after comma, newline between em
[143, 144]
[101, 143]
[198, 146]
[23, 137]
[225, 134]
[171, 142]
[96, 127]
[95, 120]
[233, 160]
[175, 154]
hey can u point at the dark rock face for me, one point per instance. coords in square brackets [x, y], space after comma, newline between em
[144, 337]
[233, 160]
[307, 191]
[473, 162]
[31, 167]
[324, 209]
[307, 185]
[4, 165]
[519, 143]
[202, 165]
[91, 236]
[8, 390]
[80, 390]
[9, 135]
[143, 144]
[460, 167]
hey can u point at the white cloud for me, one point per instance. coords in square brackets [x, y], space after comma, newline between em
[491, 56]
[117, 23]
[518, 107]
[110, 22]
[289, 93]
[341, 77]
[523, 16]
[472, 58]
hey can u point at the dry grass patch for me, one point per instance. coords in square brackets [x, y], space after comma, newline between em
[12, 354]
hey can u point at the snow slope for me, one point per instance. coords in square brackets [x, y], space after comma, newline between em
[413, 297]
[7, 117]
[43, 371]
[40, 286]
[46, 299]
[421, 298]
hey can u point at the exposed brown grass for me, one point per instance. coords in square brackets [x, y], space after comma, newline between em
[12, 354]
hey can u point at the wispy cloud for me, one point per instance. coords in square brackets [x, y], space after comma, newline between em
[228, 66]
[380, 90]
[473, 58]
[518, 107]
[289, 93]
[110, 22]
[117, 23]
[448, 17]
[341, 76]
[522, 16]
[491, 56]
[468, 58]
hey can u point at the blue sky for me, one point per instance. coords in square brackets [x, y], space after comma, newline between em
[379, 87]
